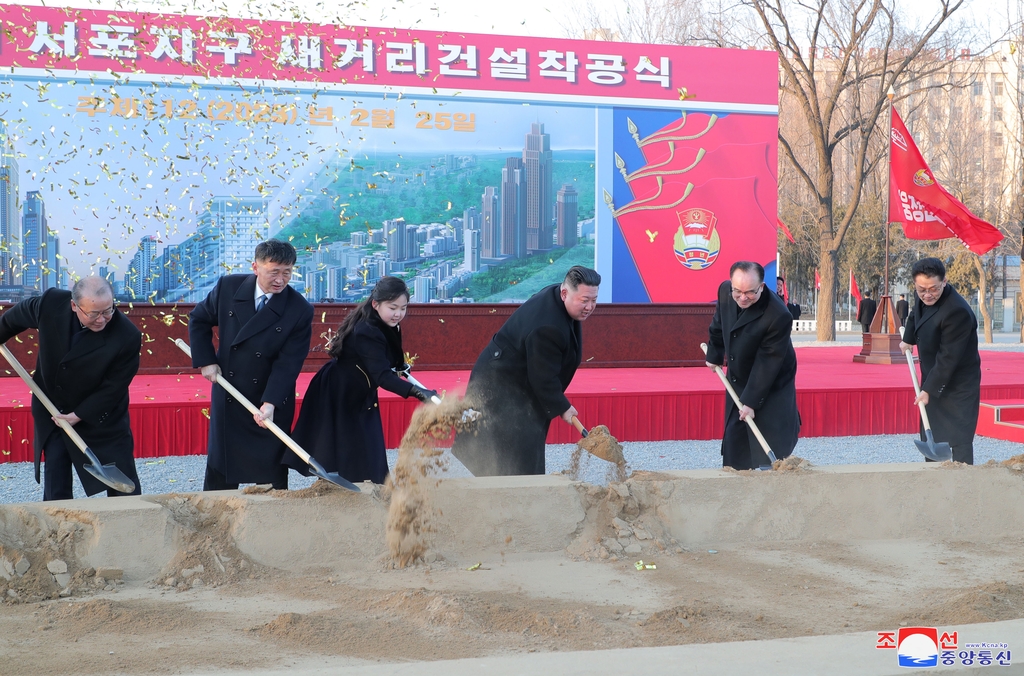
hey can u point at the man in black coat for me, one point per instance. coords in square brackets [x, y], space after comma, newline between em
[520, 378]
[866, 311]
[750, 335]
[264, 327]
[88, 355]
[945, 330]
[902, 308]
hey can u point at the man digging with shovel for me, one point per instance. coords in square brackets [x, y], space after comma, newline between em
[945, 330]
[520, 378]
[750, 334]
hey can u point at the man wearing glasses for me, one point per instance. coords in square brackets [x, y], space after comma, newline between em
[945, 330]
[88, 355]
[750, 337]
[264, 328]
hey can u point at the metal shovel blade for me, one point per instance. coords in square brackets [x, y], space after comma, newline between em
[333, 477]
[108, 474]
[939, 452]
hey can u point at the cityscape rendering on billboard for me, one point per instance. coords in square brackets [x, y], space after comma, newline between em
[157, 150]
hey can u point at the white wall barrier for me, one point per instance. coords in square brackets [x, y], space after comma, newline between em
[811, 326]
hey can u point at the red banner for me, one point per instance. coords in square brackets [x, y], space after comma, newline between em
[925, 208]
[854, 289]
[59, 39]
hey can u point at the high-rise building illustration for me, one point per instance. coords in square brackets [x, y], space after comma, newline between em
[139, 279]
[10, 218]
[471, 219]
[224, 242]
[34, 232]
[539, 202]
[423, 289]
[49, 274]
[397, 240]
[472, 260]
[513, 208]
[490, 235]
[566, 213]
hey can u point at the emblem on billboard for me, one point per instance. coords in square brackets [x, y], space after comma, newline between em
[922, 179]
[696, 242]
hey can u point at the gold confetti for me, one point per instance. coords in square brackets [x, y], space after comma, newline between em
[652, 235]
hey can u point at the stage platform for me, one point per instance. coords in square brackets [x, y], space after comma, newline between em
[836, 397]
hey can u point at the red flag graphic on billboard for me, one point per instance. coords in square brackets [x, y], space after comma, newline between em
[925, 208]
[854, 289]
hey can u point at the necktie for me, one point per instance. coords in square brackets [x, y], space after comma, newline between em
[263, 301]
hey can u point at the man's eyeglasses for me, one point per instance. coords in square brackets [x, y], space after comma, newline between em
[108, 313]
[747, 294]
[931, 290]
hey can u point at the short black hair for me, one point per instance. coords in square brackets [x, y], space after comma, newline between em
[275, 251]
[867, 293]
[929, 267]
[748, 266]
[580, 275]
[903, 295]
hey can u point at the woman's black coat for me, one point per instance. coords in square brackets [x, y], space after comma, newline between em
[339, 421]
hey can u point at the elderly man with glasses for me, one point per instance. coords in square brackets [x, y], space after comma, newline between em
[945, 330]
[88, 355]
[750, 337]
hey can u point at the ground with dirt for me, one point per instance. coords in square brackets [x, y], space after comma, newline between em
[214, 602]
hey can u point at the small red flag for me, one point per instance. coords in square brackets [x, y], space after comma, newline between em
[925, 208]
[785, 231]
[854, 289]
[817, 279]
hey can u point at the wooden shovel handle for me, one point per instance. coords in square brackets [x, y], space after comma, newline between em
[739, 405]
[579, 426]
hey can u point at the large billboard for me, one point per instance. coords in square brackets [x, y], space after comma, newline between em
[158, 149]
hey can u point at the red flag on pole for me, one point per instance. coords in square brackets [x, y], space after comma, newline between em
[854, 289]
[785, 230]
[817, 279]
[925, 208]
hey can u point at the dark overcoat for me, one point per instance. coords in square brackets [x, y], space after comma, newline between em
[755, 347]
[339, 421]
[519, 383]
[90, 379]
[902, 310]
[261, 354]
[866, 312]
[946, 335]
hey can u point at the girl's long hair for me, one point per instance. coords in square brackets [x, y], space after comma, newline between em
[387, 289]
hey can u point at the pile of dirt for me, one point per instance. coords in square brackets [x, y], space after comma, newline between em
[624, 520]
[986, 603]
[131, 617]
[207, 553]
[38, 554]
[1016, 463]
[791, 464]
[419, 461]
[600, 444]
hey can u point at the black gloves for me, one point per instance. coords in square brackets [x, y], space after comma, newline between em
[422, 394]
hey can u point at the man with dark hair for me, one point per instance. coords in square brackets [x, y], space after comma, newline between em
[866, 311]
[902, 308]
[750, 336]
[945, 330]
[520, 378]
[88, 356]
[264, 327]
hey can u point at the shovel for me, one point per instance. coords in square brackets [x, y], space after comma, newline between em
[408, 376]
[109, 474]
[602, 444]
[736, 400]
[469, 415]
[314, 466]
[937, 451]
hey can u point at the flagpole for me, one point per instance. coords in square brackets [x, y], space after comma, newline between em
[888, 184]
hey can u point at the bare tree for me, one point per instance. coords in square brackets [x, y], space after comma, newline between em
[841, 102]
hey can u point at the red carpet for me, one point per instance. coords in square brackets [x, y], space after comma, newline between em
[836, 397]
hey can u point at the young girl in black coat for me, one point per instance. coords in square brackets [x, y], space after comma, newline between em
[339, 422]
